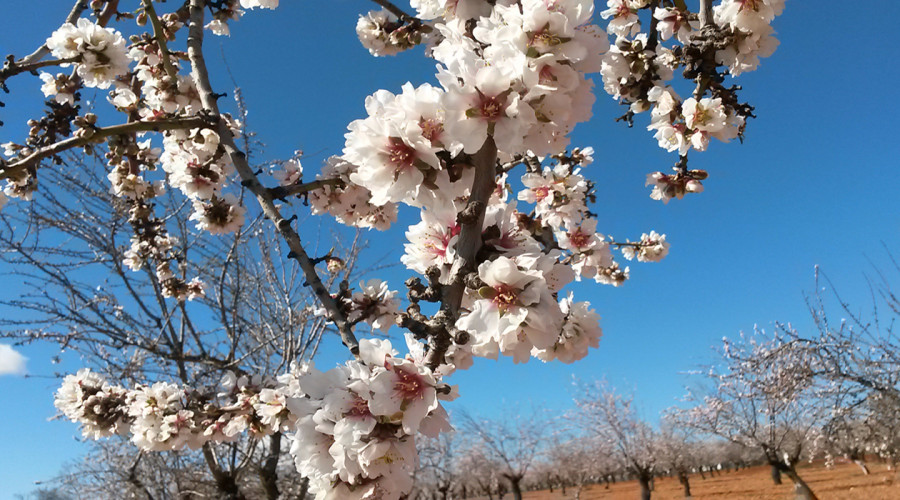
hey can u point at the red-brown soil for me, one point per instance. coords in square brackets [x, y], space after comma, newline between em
[843, 482]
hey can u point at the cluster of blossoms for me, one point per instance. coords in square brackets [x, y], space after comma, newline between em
[347, 202]
[375, 304]
[751, 32]
[355, 426]
[165, 416]
[357, 438]
[98, 56]
[98, 53]
[653, 247]
[639, 65]
[514, 73]
[382, 33]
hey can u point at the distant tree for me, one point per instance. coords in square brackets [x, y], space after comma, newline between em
[771, 410]
[611, 418]
[677, 451]
[513, 443]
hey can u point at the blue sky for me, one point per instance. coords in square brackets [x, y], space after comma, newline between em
[810, 186]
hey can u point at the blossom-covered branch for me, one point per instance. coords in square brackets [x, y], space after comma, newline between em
[91, 135]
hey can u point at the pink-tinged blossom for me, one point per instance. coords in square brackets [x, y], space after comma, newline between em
[375, 304]
[431, 241]
[625, 22]
[673, 23]
[514, 312]
[288, 173]
[219, 215]
[392, 159]
[347, 202]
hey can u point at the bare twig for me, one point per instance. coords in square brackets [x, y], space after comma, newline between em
[249, 178]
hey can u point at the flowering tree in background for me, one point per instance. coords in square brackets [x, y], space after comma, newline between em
[512, 84]
[611, 418]
[678, 451]
[513, 444]
[852, 364]
[771, 410]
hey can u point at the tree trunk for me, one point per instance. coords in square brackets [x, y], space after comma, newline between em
[225, 480]
[800, 487]
[516, 488]
[686, 483]
[776, 474]
[304, 487]
[862, 465]
[702, 474]
[268, 473]
[645, 487]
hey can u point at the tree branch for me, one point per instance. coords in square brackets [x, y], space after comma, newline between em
[16, 168]
[282, 192]
[42, 51]
[706, 13]
[200, 76]
[397, 11]
[160, 35]
[471, 225]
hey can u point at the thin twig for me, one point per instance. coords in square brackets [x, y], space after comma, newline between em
[16, 168]
[249, 178]
[160, 35]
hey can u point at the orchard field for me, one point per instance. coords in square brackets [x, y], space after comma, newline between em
[843, 482]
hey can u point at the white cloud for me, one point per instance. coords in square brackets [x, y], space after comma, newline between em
[11, 362]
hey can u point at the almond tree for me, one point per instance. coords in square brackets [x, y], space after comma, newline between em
[774, 410]
[513, 444]
[513, 83]
[611, 418]
[579, 461]
[853, 363]
[479, 475]
[677, 451]
[439, 471]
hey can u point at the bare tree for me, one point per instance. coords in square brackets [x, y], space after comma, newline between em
[512, 443]
[772, 409]
[611, 418]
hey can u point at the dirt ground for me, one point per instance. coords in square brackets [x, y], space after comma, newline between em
[844, 482]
